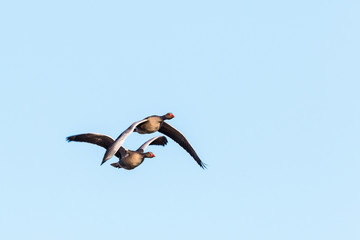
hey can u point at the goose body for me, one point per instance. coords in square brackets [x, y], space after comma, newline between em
[152, 124]
[128, 159]
[131, 160]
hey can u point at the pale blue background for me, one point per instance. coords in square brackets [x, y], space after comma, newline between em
[266, 91]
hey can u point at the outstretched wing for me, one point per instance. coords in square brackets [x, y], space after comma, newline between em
[95, 138]
[110, 152]
[160, 140]
[178, 137]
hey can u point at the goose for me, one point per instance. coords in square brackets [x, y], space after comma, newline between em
[149, 125]
[127, 159]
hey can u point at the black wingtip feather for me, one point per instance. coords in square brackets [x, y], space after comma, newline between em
[160, 141]
[103, 161]
[203, 165]
[165, 141]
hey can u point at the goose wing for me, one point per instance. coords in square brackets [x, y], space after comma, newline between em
[160, 140]
[178, 137]
[110, 152]
[98, 139]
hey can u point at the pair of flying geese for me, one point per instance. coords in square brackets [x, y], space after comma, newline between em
[131, 159]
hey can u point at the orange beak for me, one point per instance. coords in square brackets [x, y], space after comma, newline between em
[152, 155]
[172, 115]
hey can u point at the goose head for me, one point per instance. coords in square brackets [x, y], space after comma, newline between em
[149, 155]
[168, 116]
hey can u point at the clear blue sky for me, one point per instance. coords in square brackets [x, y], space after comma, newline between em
[266, 91]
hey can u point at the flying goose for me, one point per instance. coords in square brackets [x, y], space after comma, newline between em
[127, 159]
[149, 125]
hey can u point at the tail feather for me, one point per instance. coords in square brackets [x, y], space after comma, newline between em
[116, 165]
